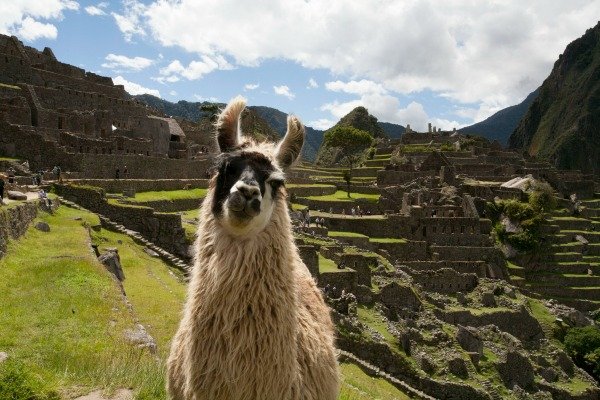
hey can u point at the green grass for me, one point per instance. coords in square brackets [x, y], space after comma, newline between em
[387, 240]
[346, 234]
[156, 295]
[327, 265]
[341, 195]
[304, 185]
[63, 316]
[357, 385]
[4, 85]
[143, 197]
[373, 319]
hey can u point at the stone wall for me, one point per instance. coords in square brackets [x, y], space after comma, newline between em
[386, 177]
[165, 230]
[142, 185]
[344, 279]
[445, 280]
[14, 221]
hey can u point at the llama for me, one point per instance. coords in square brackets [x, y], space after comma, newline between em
[255, 326]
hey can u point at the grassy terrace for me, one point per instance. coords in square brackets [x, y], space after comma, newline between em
[387, 240]
[341, 195]
[346, 234]
[143, 197]
[327, 265]
[356, 385]
[63, 326]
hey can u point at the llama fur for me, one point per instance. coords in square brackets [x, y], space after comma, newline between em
[255, 325]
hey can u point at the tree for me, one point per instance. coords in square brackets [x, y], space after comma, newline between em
[583, 344]
[350, 141]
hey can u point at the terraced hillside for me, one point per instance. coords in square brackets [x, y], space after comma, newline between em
[569, 268]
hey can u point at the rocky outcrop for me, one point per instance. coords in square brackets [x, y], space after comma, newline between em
[562, 122]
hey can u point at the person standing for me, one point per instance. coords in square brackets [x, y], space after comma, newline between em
[117, 173]
[125, 172]
[1, 191]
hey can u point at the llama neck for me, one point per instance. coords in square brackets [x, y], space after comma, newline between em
[226, 263]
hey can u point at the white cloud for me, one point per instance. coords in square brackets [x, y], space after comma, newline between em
[488, 53]
[195, 69]
[312, 84]
[321, 123]
[165, 79]
[22, 17]
[251, 86]
[173, 93]
[130, 23]
[119, 62]
[31, 29]
[356, 87]
[134, 88]
[94, 10]
[382, 105]
[283, 90]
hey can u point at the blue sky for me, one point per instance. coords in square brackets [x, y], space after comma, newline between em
[450, 63]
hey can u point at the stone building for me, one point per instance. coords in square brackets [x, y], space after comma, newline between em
[71, 113]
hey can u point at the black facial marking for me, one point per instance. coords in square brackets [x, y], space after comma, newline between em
[250, 167]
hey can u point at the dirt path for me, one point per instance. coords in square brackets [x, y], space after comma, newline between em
[120, 394]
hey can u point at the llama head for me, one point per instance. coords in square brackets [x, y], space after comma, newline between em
[249, 177]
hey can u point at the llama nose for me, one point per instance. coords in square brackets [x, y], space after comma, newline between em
[250, 192]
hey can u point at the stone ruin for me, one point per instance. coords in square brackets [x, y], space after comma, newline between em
[52, 113]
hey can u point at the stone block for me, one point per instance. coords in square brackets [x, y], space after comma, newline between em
[42, 226]
[457, 366]
[14, 195]
[469, 339]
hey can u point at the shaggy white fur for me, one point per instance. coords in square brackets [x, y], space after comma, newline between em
[255, 325]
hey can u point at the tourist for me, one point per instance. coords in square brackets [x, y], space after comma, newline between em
[307, 217]
[330, 210]
[117, 173]
[353, 212]
[44, 199]
[359, 211]
[125, 172]
[57, 173]
[11, 175]
[1, 190]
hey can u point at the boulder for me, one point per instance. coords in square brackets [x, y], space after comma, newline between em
[549, 374]
[3, 357]
[426, 364]
[42, 226]
[140, 337]
[112, 262]
[469, 340]
[488, 300]
[565, 363]
[461, 298]
[457, 366]
[14, 195]
[516, 369]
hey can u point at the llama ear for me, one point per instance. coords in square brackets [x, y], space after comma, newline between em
[229, 134]
[290, 147]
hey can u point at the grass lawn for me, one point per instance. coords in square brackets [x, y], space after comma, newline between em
[387, 240]
[63, 318]
[345, 234]
[327, 265]
[142, 197]
[342, 195]
[357, 385]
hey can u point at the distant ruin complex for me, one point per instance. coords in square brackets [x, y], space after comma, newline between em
[52, 113]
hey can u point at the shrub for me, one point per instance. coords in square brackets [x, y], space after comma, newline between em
[583, 345]
[542, 197]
